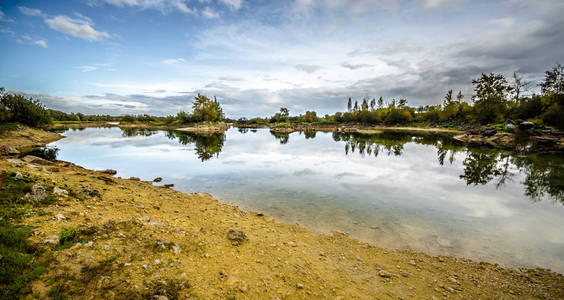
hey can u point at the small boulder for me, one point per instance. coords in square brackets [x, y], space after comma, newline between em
[109, 172]
[488, 131]
[95, 194]
[37, 194]
[36, 160]
[53, 240]
[236, 237]
[8, 150]
[385, 274]
[60, 192]
[158, 179]
[525, 125]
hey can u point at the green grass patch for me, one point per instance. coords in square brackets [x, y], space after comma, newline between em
[6, 127]
[20, 261]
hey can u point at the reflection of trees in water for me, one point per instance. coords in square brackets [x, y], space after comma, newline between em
[243, 130]
[282, 137]
[130, 132]
[544, 173]
[206, 145]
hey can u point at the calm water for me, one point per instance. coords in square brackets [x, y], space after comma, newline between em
[395, 190]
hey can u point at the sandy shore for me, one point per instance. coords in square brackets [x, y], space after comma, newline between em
[147, 241]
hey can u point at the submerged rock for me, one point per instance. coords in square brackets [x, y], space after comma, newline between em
[236, 237]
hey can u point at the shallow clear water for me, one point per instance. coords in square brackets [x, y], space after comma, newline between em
[395, 190]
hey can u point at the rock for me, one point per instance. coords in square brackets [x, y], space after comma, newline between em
[52, 239]
[109, 172]
[144, 219]
[37, 194]
[106, 179]
[236, 237]
[168, 185]
[488, 131]
[60, 217]
[299, 286]
[106, 247]
[134, 178]
[161, 297]
[526, 125]
[60, 192]
[159, 225]
[95, 194]
[158, 179]
[176, 249]
[18, 175]
[404, 274]
[385, 274]
[36, 160]
[8, 150]
[412, 262]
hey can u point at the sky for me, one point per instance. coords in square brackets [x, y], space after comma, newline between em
[153, 56]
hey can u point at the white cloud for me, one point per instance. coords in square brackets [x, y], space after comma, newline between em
[173, 61]
[2, 15]
[308, 68]
[79, 28]
[29, 11]
[209, 13]
[504, 22]
[87, 68]
[162, 5]
[436, 4]
[236, 4]
[41, 43]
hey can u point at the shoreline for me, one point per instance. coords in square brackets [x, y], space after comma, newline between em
[276, 259]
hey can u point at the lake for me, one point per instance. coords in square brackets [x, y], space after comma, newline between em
[393, 189]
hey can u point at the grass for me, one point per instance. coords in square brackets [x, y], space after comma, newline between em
[20, 261]
[5, 127]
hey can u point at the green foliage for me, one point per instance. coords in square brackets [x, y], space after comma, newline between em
[490, 99]
[6, 127]
[206, 110]
[19, 259]
[17, 108]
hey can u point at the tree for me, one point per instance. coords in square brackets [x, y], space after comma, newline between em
[553, 81]
[380, 102]
[349, 105]
[284, 113]
[372, 103]
[355, 108]
[206, 110]
[364, 105]
[402, 103]
[18, 108]
[459, 97]
[448, 98]
[490, 98]
[519, 85]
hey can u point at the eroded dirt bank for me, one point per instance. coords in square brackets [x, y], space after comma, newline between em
[137, 240]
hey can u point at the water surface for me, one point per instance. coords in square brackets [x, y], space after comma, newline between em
[395, 190]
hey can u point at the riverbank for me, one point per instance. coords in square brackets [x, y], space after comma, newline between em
[214, 127]
[135, 239]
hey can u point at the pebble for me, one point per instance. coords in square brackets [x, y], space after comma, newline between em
[60, 217]
[384, 274]
[299, 286]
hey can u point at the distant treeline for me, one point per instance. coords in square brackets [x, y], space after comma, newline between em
[495, 100]
[15, 108]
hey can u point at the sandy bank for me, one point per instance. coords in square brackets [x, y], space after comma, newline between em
[147, 240]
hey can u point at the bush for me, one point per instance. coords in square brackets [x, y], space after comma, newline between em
[399, 116]
[554, 116]
[17, 108]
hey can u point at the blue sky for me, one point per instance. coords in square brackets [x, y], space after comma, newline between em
[153, 56]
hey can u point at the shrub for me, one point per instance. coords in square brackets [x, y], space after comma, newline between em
[17, 108]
